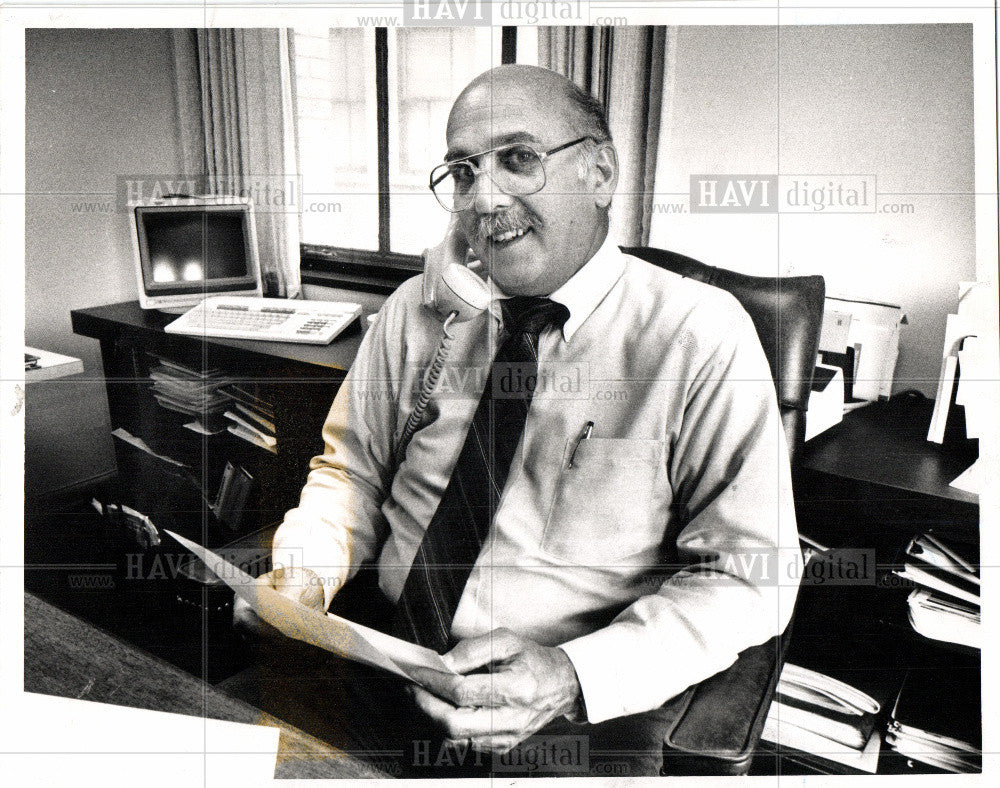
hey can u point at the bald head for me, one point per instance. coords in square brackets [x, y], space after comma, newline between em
[580, 113]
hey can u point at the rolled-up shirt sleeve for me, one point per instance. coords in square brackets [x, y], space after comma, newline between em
[339, 523]
[737, 550]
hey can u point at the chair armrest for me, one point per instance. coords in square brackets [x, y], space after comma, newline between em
[719, 721]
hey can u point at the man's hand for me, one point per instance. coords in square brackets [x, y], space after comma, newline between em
[302, 585]
[528, 686]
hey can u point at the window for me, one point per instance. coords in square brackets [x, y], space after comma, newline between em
[335, 120]
[372, 105]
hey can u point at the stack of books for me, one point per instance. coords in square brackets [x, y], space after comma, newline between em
[193, 393]
[937, 720]
[251, 417]
[826, 720]
[946, 605]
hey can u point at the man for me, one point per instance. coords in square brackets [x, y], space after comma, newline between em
[621, 559]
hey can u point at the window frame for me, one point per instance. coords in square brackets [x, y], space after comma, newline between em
[377, 270]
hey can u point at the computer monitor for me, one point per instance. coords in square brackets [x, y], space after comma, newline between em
[189, 249]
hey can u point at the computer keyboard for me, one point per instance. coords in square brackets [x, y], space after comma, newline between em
[270, 319]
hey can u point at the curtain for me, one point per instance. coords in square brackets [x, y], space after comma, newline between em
[188, 104]
[624, 68]
[248, 124]
[580, 53]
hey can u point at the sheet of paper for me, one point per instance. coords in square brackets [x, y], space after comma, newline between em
[836, 327]
[877, 359]
[971, 479]
[968, 358]
[873, 312]
[977, 303]
[201, 429]
[325, 630]
[140, 444]
[956, 329]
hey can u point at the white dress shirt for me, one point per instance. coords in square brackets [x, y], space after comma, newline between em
[668, 545]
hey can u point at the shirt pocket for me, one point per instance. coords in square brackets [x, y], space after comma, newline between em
[610, 504]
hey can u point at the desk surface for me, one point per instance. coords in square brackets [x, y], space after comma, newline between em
[111, 321]
[66, 657]
[886, 444]
[51, 365]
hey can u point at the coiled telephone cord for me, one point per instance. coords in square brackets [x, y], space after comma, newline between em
[430, 383]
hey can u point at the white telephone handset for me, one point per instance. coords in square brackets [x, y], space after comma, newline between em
[450, 285]
[456, 293]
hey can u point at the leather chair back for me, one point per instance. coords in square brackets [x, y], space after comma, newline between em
[788, 315]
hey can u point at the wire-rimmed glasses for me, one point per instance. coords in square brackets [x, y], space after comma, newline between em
[517, 169]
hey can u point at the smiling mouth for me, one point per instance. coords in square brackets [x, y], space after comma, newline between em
[509, 236]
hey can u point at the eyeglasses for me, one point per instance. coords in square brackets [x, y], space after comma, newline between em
[517, 169]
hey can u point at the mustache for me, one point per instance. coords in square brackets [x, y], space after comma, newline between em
[493, 224]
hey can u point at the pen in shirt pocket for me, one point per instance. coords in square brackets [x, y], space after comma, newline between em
[584, 435]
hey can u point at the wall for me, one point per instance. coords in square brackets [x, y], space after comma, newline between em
[894, 101]
[99, 103]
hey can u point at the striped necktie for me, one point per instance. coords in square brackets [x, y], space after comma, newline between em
[459, 527]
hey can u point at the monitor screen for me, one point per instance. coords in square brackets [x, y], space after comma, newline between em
[187, 252]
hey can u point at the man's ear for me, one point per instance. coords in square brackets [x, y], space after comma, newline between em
[604, 173]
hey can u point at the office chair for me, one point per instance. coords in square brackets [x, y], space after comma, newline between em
[719, 721]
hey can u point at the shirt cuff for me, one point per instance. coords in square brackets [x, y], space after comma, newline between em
[592, 658]
[296, 545]
[578, 713]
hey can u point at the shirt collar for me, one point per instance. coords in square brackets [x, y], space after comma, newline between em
[588, 286]
[584, 290]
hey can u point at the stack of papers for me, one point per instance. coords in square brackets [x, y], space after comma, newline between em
[243, 426]
[826, 718]
[941, 618]
[251, 417]
[936, 720]
[946, 607]
[192, 393]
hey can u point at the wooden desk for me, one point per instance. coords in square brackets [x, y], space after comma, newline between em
[876, 474]
[68, 658]
[885, 444]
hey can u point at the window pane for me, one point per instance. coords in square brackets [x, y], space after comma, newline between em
[335, 90]
[527, 44]
[427, 69]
